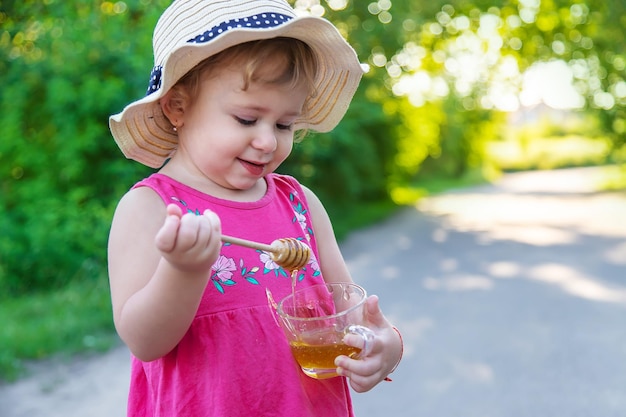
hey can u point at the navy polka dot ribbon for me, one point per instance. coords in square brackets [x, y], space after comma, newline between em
[155, 80]
[258, 21]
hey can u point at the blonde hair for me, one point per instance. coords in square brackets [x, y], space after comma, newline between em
[276, 61]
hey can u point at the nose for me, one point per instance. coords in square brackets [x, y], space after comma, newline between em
[265, 140]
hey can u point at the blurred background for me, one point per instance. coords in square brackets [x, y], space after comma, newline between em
[456, 93]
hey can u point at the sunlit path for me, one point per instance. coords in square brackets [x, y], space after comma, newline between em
[511, 298]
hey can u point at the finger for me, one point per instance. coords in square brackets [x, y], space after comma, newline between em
[165, 238]
[363, 366]
[214, 220]
[373, 313]
[354, 340]
[174, 210]
[361, 385]
[205, 232]
[188, 231]
[362, 377]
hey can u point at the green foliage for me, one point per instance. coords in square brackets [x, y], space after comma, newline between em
[347, 165]
[66, 67]
[462, 140]
[419, 137]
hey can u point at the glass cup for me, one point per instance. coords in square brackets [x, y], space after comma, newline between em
[316, 319]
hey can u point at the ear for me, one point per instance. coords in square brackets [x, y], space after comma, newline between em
[173, 107]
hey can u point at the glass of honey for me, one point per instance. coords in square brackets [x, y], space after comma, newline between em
[316, 319]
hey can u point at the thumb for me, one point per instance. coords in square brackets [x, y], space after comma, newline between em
[373, 314]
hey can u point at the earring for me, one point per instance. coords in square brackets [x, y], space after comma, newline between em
[174, 129]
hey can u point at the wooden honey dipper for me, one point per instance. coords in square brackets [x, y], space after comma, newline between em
[289, 253]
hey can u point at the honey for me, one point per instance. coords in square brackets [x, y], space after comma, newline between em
[318, 361]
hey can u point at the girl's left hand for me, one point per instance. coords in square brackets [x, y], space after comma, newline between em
[366, 373]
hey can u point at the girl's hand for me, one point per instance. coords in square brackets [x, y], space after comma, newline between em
[367, 372]
[189, 242]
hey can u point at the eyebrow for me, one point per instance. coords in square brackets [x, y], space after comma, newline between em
[262, 109]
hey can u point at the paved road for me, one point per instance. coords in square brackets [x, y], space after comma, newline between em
[511, 299]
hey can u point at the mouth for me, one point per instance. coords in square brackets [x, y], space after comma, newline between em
[253, 168]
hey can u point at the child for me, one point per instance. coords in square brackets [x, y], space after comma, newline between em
[232, 83]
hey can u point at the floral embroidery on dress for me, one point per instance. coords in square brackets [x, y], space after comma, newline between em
[300, 215]
[314, 266]
[196, 212]
[223, 272]
[248, 274]
[270, 266]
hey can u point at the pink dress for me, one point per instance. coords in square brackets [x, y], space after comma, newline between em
[234, 360]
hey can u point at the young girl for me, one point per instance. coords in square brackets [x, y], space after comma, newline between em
[232, 83]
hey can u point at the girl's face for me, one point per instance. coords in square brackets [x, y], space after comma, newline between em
[233, 137]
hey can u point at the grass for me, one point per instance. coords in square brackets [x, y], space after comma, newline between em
[68, 321]
[613, 178]
[554, 152]
[548, 153]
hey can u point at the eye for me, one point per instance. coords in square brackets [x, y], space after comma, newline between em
[245, 122]
[283, 126]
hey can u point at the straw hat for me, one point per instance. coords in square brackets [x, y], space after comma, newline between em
[190, 31]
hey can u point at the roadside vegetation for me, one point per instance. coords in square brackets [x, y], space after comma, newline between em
[417, 126]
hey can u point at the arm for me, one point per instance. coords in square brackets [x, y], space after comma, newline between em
[331, 262]
[159, 265]
[386, 353]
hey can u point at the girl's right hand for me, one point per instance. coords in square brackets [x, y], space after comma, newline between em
[189, 242]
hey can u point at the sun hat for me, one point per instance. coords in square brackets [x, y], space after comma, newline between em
[190, 31]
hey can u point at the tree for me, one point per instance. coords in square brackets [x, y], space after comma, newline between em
[468, 56]
[64, 67]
